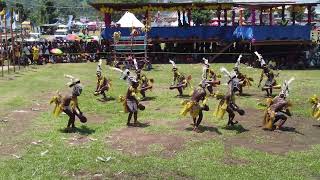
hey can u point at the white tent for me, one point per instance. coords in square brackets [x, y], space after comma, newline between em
[129, 20]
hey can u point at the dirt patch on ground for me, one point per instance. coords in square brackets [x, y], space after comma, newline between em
[298, 134]
[95, 119]
[136, 142]
[206, 130]
[14, 124]
[230, 160]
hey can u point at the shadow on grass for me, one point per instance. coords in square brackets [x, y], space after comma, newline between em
[205, 128]
[238, 128]
[106, 100]
[245, 95]
[149, 98]
[83, 130]
[291, 129]
[139, 125]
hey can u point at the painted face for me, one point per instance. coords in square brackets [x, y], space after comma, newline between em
[77, 90]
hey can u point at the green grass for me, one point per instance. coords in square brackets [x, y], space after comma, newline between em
[202, 159]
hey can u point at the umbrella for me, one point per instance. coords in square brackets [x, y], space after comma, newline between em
[72, 37]
[56, 51]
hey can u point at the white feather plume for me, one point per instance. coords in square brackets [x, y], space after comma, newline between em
[173, 63]
[260, 59]
[238, 61]
[135, 63]
[206, 61]
[225, 71]
[116, 69]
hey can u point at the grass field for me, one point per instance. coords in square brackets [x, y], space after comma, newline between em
[33, 144]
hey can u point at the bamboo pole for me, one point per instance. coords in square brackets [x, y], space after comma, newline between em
[12, 41]
[6, 47]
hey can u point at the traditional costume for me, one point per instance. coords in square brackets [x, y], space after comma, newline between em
[69, 103]
[103, 84]
[278, 109]
[315, 101]
[180, 82]
[244, 81]
[194, 107]
[211, 78]
[131, 100]
[270, 83]
[227, 102]
[144, 83]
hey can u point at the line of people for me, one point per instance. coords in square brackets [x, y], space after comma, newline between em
[276, 111]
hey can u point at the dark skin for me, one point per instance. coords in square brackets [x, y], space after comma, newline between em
[72, 113]
[102, 86]
[280, 106]
[231, 106]
[270, 76]
[132, 97]
[177, 77]
[197, 96]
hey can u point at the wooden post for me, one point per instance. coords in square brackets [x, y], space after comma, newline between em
[283, 12]
[1, 53]
[309, 14]
[219, 16]
[6, 47]
[293, 16]
[225, 12]
[270, 17]
[146, 35]
[253, 15]
[233, 17]
[260, 17]
[12, 42]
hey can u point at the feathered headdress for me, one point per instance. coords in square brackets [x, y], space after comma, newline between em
[73, 80]
[227, 73]
[125, 75]
[99, 68]
[238, 62]
[260, 59]
[205, 67]
[285, 87]
[135, 63]
[173, 64]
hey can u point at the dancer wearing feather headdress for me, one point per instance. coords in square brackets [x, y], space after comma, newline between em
[131, 100]
[180, 82]
[227, 102]
[103, 84]
[244, 81]
[211, 77]
[144, 83]
[271, 82]
[315, 101]
[69, 103]
[278, 109]
[194, 107]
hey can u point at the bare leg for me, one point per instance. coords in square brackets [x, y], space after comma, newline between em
[71, 118]
[180, 91]
[129, 118]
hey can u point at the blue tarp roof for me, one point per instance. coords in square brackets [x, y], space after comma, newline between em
[225, 33]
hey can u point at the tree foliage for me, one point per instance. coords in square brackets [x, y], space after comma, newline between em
[201, 17]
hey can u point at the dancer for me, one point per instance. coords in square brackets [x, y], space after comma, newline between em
[180, 82]
[144, 83]
[315, 101]
[103, 84]
[278, 109]
[244, 81]
[211, 77]
[69, 103]
[194, 107]
[270, 83]
[227, 102]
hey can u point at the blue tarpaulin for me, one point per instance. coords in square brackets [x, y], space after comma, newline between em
[225, 33]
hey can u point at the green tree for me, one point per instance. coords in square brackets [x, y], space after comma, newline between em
[201, 17]
[22, 12]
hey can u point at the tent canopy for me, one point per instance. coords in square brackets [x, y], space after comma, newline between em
[129, 20]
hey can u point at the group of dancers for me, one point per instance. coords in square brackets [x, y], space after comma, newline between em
[276, 112]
